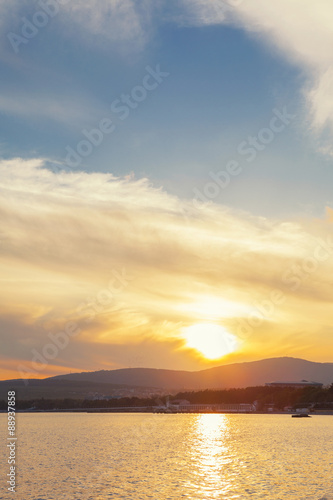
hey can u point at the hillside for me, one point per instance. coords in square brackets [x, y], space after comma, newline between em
[228, 376]
[144, 382]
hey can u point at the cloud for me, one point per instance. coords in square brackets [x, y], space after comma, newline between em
[131, 265]
[126, 22]
[119, 20]
[302, 32]
[67, 110]
[201, 12]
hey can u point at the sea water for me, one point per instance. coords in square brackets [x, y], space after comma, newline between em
[89, 456]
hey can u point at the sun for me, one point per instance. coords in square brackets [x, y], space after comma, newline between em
[211, 340]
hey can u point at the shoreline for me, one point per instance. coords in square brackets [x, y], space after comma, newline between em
[152, 411]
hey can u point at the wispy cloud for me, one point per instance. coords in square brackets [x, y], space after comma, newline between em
[68, 110]
[62, 234]
[119, 20]
[125, 21]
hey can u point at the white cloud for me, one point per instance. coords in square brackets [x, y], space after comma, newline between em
[320, 98]
[301, 30]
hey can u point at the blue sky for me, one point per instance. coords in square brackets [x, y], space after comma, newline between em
[199, 135]
[224, 82]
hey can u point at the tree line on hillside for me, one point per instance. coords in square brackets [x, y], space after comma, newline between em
[279, 397]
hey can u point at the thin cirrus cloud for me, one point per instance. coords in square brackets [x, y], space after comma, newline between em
[69, 111]
[120, 20]
[125, 23]
[117, 20]
[64, 234]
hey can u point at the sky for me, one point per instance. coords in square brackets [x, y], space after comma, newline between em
[166, 172]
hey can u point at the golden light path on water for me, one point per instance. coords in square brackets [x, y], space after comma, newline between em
[210, 454]
[146, 456]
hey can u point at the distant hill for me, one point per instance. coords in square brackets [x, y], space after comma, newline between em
[227, 376]
[143, 382]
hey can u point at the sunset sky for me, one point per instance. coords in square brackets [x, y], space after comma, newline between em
[166, 175]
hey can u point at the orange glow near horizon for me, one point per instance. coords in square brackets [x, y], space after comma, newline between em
[16, 369]
[179, 293]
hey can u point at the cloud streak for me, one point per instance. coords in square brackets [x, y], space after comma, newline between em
[66, 110]
[63, 234]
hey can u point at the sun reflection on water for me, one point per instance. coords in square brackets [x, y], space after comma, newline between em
[210, 454]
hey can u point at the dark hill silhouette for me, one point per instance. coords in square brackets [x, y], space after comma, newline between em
[252, 373]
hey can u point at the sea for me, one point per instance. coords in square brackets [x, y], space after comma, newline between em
[140, 456]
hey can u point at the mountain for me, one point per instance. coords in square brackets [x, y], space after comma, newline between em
[144, 382]
[252, 373]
